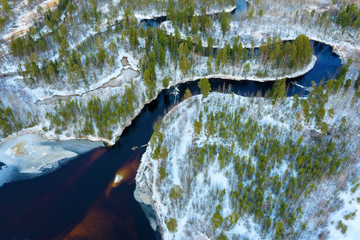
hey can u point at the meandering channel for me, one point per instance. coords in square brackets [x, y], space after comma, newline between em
[55, 204]
[85, 197]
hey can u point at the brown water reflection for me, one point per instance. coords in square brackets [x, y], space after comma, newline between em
[105, 218]
[31, 203]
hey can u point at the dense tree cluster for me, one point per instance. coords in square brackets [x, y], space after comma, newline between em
[56, 32]
[10, 123]
[349, 16]
[180, 9]
[273, 198]
[292, 54]
[26, 45]
[5, 13]
[182, 14]
[33, 49]
[97, 117]
[82, 64]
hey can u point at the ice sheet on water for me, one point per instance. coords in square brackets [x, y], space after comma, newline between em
[30, 155]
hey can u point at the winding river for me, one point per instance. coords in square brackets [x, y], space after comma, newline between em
[84, 198]
[79, 199]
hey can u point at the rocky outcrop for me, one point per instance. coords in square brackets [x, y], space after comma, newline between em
[142, 194]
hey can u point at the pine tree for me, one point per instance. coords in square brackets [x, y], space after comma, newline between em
[225, 25]
[210, 43]
[208, 64]
[63, 48]
[197, 127]
[187, 94]
[204, 86]
[194, 25]
[280, 231]
[278, 90]
[184, 65]
[217, 220]
[113, 47]
[161, 56]
[101, 56]
[172, 225]
[50, 70]
[199, 47]
[165, 82]
[147, 78]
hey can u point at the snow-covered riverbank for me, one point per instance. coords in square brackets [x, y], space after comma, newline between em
[200, 188]
[150, 189]
[30, 155]
[43, 100]
[252, 77]
[279, 20]
[153, 191]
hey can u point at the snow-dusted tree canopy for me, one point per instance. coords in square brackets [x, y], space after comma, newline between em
[76, 53]
[218, 166]
[229, 167]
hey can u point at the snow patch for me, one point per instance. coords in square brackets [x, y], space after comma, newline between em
[32, 155]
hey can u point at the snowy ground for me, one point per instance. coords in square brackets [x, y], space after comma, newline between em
[38, 100]
[25, 17]
[348, 214]
[31, 155]
[279, 20]
[110, 82]
[41, 100]
[194, 213]
[192, 223]
[17, 151]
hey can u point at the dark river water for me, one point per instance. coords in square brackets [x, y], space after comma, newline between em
[79, 201]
